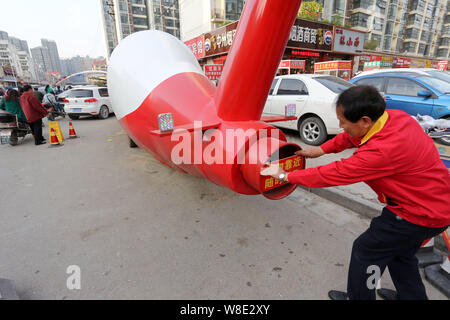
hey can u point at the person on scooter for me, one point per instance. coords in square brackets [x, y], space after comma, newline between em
[50, 100]
[11, 103]
[34, 112]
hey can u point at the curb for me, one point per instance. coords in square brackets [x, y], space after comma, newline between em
[359, 205]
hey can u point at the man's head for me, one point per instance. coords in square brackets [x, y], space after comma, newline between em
[358, 108]
[27, 88]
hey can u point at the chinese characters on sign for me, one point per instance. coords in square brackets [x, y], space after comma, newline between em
[197, 46]
[332, 65]
[348, 41]
[213, 71]
[290, 164]
[310, 35]
[220, 40]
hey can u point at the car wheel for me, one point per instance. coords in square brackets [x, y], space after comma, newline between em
[132, 144]
[74, 117]
[14, 139]
[312, 131]
[103, 113]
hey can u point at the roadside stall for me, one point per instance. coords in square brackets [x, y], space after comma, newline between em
[291, 67]
[339, 68]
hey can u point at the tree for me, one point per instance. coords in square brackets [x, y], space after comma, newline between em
[371, 44]
[310, 10]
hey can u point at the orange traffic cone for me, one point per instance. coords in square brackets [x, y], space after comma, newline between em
[72, 133]
[53, 138]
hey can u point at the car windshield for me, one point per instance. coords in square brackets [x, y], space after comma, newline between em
[439, 75]
[439, 85]
[81, 93]
[335, 84]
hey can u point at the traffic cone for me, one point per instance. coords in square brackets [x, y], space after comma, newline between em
[72, 133]
[426, 254]
[439, 275]
[54, 141]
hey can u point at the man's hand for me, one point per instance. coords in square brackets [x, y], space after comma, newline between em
[273, 170]
[313, 152]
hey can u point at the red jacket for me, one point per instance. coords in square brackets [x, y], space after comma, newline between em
[398, 161]
[32, 108]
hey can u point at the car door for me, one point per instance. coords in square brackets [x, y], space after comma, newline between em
[104, 98]
[268, 106]
[401, 94]
[290, 91]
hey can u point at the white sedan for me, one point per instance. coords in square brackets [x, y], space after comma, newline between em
[314, 97]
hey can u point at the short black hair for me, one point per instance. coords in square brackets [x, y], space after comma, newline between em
[26, 88]
[360, 101]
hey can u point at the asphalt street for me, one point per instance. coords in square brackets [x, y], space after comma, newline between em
[139, 230]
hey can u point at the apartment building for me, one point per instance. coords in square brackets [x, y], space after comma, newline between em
[123, 17]
[416, 27]
[200, 16]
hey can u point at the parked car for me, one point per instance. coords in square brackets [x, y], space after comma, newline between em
[413, 93]
[314, 97]
[442, 75]
[88, 101]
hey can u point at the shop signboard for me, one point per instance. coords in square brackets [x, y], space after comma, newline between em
[399, 62]
[292, 64]
[442, 65]
[219, 41]
[332, 65]
[418, 63]
[348, 40]
[313, 35]
[196, 45]
[213, 71]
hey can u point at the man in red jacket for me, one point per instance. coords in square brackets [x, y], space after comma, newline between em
[401, 164]
[34, 111]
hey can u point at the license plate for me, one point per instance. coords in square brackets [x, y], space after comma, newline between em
[5, 136]
[76, 110]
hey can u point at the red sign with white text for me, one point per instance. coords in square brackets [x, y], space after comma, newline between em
[213, 71]
[197, 46]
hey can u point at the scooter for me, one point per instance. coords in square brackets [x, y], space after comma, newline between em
[53, 113]
[11, 129]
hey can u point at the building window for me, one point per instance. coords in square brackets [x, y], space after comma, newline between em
[415, 19]
[429, 9]
[410, 46]
[392, 12]
[360, 19]
[444, 42]
[363, 4]
[425, 36]
[427, 23]
[140, 21]
[387, 43]
[139, 10]
[442, 52]
[418, 5]
[389, 27]
[378, 24]
[380, 6]
[421, 49]
[412, 33]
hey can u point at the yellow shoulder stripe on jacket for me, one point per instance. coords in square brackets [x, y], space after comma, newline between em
[377, 126]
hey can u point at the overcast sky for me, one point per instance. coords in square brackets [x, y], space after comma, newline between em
[75, 25]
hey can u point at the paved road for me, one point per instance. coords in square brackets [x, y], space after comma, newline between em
[139, 230]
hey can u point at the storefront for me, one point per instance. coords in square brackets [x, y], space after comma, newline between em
[309, 41]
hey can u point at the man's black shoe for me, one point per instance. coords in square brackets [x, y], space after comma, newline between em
[337, 295]
[387, 294]
[42, 142]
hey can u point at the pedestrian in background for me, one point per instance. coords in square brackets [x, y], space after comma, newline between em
[38, 94]
[34, 112]
[11, 103]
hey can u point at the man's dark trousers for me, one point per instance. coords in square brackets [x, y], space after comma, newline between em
[36, 128]
[389, 242]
